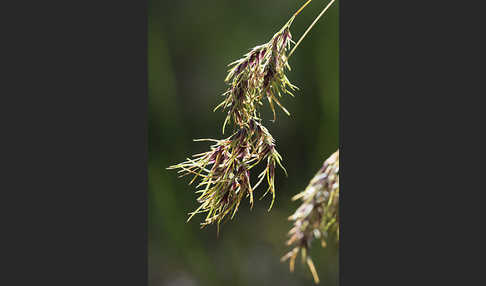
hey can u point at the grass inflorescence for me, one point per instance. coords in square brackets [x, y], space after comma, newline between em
[224, 172]
[318, 215]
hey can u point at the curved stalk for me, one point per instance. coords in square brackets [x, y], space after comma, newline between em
[311, 25]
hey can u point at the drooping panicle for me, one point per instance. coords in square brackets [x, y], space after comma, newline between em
[225, 171]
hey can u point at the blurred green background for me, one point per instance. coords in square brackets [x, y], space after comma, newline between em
[190, 43]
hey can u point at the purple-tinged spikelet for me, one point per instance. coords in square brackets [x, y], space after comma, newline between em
[318, 215]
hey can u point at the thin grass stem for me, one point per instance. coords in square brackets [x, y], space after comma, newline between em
[311, 25]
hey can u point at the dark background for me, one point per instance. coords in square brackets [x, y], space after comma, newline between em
[190, 44]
